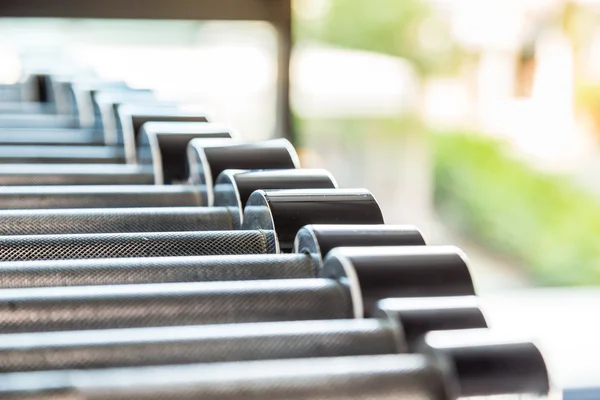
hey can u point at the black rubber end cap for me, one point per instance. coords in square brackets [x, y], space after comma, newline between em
[409, 271]
[207, 159]
[234, 187]
[162, 114]
[484, 363]
[42, 84]
[286, 211]
[418, 316]
[131, 117]
[164, 146]
[319, 240]
[106, 106]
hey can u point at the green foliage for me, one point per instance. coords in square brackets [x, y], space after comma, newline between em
[550, 225]
[407, 28]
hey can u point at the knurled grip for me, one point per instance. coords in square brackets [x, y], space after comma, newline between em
[112, 196]
[127, 245]
[48, 273]
[127, 306]
[115, 220]
[380, 377]
[69, 174]
[45, 154]
[56, 136]
[195, 344]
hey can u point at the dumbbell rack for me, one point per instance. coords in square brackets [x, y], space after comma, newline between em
[276, 12]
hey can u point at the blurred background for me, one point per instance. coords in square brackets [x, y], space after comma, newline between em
[476, 120]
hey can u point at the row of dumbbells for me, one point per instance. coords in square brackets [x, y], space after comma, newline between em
[232, 273]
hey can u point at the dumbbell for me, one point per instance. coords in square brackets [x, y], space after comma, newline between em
[104, 107]
[232, 191]
[92, 174]
[91, 145]
[271, 220]
[347, 286]
[31, 95]
[399, 325]
[51, 94]
[312, 244]
[73, 95]
[79, 97]
[161, 153]
[206, 158]
[114, 125]
[56, 105]
[99, 108]
[94, 142]
[448, 367]
[269, 154]
[97, 115]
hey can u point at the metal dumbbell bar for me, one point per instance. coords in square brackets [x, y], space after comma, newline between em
[439, 372]
[114, 140]
[20, 153]
[36, 94]
[207, 160]
[68, 107]
[277, 154]
[44, 93]
[65, 104]
[347, 285]
[271, 220]
[94, 196]
[108, 144]
[312, 244]
[232, 191]
[160, 145]
[162, 160]
[397, 328]
[116, 125]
